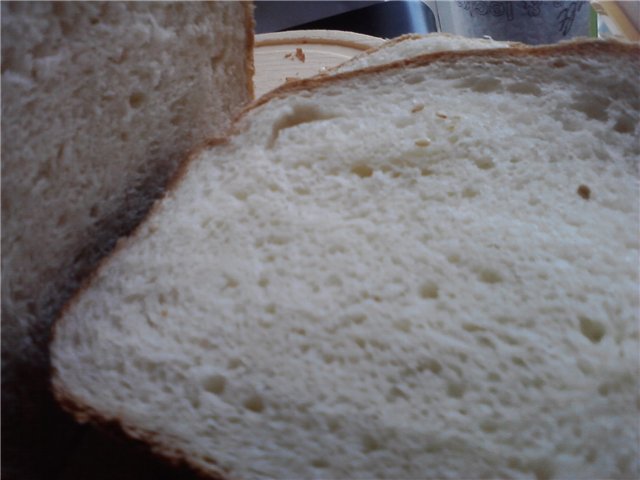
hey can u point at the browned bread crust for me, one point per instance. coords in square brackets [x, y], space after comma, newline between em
[518, 55]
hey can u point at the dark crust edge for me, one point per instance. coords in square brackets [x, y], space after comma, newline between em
[143, 443]
[581, 47]
[84, 413]
[414, 36]
[117, 426]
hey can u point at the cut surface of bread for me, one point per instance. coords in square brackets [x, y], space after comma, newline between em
[417, 271]
[100, 102]
[412, 45]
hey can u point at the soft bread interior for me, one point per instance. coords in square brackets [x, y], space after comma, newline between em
[415, 271]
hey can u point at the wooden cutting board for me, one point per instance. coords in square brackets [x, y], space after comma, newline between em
[303, 53]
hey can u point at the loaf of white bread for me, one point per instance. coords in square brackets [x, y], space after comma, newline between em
[425, 269]
[100, 103]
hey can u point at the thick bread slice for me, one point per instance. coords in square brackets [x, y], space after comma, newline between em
[412, 45]
[100, 101]
[423, 270]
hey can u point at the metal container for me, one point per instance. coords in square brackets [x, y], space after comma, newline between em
[527, 22]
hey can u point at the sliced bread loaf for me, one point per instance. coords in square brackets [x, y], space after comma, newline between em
[100, 102]
[423, 270]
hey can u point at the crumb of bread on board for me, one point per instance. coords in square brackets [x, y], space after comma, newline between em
[584, 192]
[299, 54]
[419, 107]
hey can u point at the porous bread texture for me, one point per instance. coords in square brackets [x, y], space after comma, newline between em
[412, 45]
[395, 273]
[100, 102]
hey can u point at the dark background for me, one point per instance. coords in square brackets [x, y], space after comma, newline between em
[381, 19]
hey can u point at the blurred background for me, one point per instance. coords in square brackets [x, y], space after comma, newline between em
[385, 19]
[391, 18]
